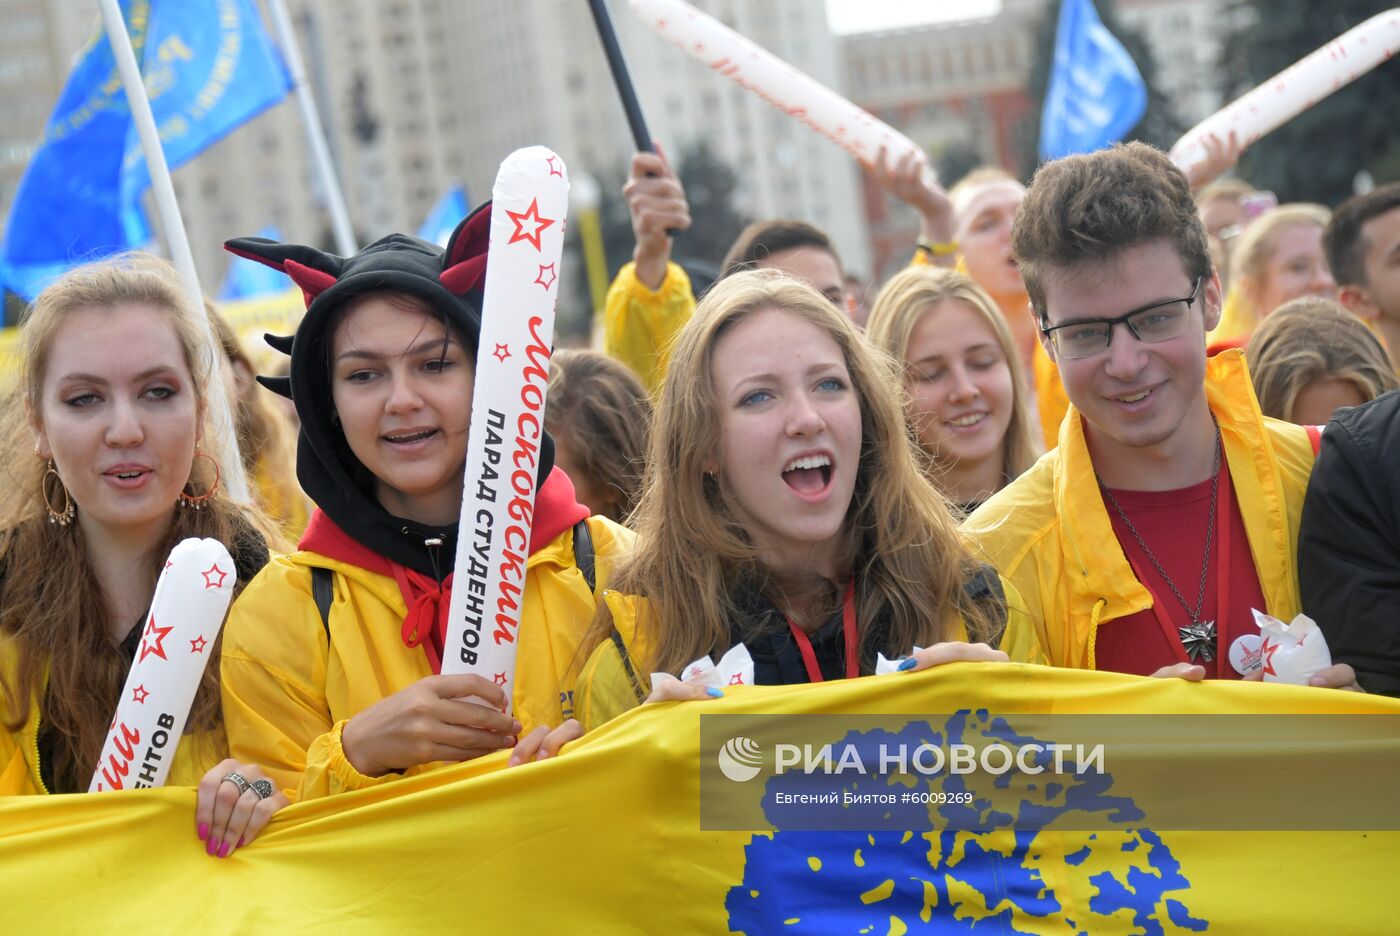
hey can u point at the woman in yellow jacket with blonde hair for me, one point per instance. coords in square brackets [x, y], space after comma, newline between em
[116, 392]
[784, 509]
[331, 667]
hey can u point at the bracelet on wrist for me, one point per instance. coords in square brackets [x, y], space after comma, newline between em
[937, 248]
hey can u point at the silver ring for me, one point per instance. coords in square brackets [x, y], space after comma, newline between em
[263, 788]
[238, 780]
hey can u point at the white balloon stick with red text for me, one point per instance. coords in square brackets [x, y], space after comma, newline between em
[529, 204]
[1296, 88]
[755, 69]
[192, 596]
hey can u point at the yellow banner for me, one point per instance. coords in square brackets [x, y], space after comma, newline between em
[607, 838]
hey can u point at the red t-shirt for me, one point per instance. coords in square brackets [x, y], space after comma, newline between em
[1173, 525]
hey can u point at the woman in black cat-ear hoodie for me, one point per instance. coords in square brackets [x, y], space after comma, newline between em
[332, 655]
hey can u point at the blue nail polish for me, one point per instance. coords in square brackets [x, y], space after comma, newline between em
[908, 664]
[715, 693]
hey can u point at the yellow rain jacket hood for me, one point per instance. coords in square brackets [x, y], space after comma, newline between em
[1049, 533]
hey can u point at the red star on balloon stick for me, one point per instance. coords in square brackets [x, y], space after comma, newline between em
[168, 563]
[542, 279]
[554, 170]
[529, 217]
[139, 694]
[500, 679]
[501, 353]
[736, 680]
[198, 644]
[152, 640]
[209, 575]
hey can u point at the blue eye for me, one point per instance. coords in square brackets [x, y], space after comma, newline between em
[81, 400]
[758, 396]
[161, 393]
[832, 383]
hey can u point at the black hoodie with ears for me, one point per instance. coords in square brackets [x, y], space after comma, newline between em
[451, 282]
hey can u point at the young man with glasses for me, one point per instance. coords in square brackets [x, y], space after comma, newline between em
[1170, 507]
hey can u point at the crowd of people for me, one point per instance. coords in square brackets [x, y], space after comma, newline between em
[1084, 428]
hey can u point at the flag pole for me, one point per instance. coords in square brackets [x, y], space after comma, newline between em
[221, 415]
[315, 130]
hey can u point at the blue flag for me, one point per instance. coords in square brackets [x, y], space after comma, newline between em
[248, 279]
[1096, 94]
[445, 216]
[208, 67]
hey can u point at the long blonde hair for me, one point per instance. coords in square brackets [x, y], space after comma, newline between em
[908, 297]
[693, 553]
[52, 611]
[1251, 255]
[266, 441]
[1311, 339]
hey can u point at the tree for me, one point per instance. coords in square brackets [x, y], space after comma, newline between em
[1316, 155]
[1159, 125]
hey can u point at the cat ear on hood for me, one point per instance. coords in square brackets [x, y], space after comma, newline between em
[464, 261]
[313, 270]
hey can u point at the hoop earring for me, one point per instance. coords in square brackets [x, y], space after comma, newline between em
[61, 517]
[197, 501]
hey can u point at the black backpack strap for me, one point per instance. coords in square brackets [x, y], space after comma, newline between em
[637, 688]
[583, 554]
[983, 589]
[322, 591]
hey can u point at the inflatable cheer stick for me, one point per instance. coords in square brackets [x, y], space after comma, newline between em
[192, 596]
[755, 69]
[528, 207]
[1296, 88]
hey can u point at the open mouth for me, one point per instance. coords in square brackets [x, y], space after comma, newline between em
[408, 438]
[809, 474]
[1131, 398]
[967, 421]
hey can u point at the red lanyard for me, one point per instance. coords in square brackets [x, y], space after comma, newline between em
[848, 628]
[1222, 584]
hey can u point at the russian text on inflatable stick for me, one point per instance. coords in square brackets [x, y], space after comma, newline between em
[192, 596]
[755, 69]
[528, 210]
[1296, 88]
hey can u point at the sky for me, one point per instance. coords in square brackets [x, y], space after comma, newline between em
[855, 16]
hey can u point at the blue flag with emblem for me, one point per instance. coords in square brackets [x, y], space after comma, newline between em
[1096, 94]
[449, 211]
[208, 66]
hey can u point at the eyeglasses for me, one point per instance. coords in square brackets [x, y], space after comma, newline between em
[1157, 322]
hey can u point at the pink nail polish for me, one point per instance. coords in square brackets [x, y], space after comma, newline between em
[209, 847]
[203, 831]
[240, 841]
[223, 850]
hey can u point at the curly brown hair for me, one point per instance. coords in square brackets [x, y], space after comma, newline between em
[1090, 208]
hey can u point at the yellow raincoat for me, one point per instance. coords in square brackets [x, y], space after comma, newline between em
[19, 750]
[1050, 534]
[288, 690]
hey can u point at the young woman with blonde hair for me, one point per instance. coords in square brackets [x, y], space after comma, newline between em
[784, 508]
[266, 440]
[1279, 257]
[1312, 357]
[967, 394]
[106, 481]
